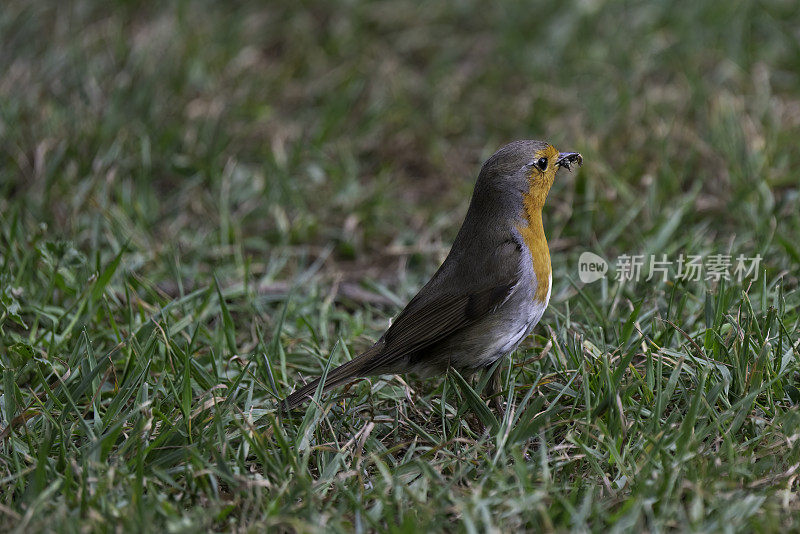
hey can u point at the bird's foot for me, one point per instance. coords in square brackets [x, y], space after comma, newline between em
[496, 391]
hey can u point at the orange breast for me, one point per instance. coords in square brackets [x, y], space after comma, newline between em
[533, 236]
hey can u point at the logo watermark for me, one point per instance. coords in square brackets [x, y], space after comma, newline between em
[686, 267]
[591, 267]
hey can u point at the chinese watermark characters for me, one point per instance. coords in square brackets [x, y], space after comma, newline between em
[661, 268]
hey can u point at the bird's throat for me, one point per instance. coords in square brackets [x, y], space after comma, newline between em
[532, 231]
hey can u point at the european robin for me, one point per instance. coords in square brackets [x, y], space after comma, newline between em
[492, 288]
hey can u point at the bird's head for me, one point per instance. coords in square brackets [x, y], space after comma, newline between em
[527, 168]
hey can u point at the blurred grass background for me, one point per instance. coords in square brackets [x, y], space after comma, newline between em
[198, 200]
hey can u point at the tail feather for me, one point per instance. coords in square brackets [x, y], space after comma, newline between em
[337, 377]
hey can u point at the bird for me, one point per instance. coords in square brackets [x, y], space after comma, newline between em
[488, 294]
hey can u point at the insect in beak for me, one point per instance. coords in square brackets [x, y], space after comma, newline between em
[566, 159]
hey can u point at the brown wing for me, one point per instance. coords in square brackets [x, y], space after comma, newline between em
[427, 321]
[430, 317]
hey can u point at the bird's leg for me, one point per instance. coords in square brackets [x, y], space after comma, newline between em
[496, 390]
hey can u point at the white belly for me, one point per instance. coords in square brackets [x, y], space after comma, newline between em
[511, 340]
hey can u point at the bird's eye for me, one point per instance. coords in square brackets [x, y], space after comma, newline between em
[541, 163]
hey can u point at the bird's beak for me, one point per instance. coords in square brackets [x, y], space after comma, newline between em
[566, 159]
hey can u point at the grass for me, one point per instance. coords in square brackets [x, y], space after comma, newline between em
[201, 204]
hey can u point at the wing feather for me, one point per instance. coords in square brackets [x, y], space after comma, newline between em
[427, 321]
